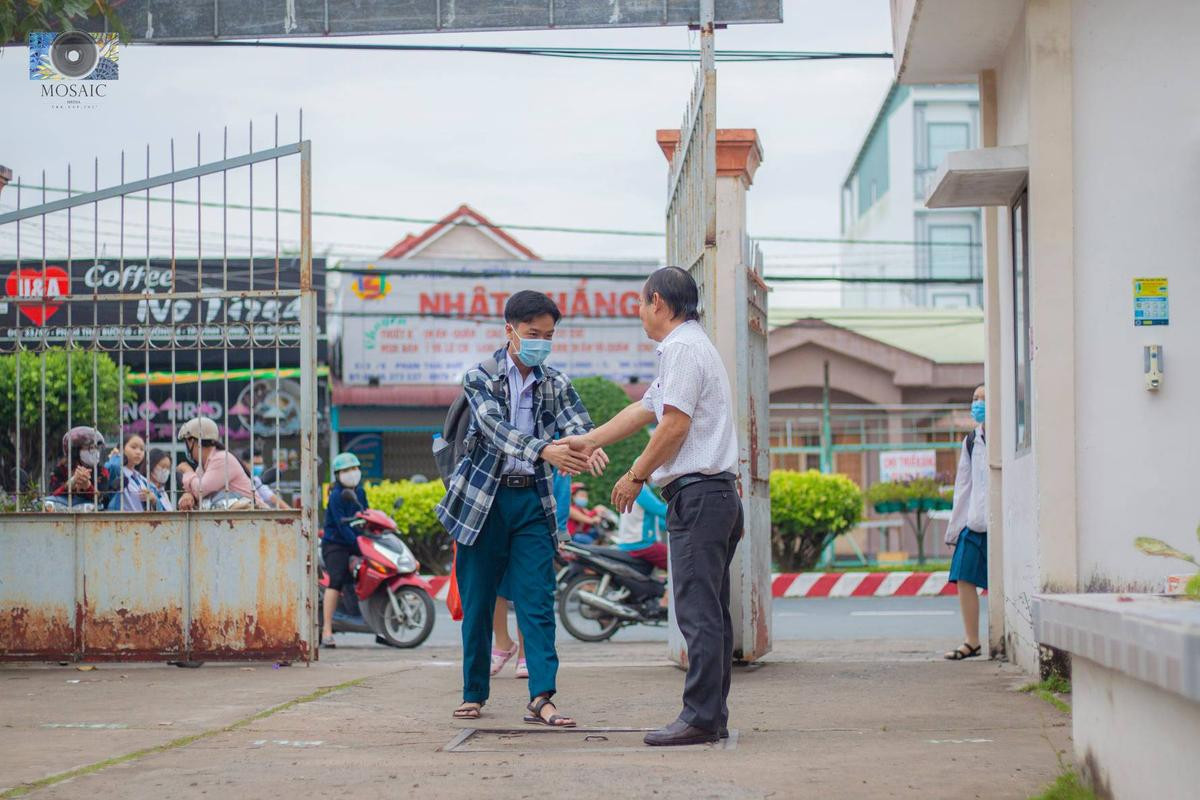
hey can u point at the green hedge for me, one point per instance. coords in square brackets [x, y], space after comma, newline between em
[418, 524]
[603, 399]
[808, 509]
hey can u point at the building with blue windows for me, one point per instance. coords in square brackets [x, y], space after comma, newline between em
[883, 199]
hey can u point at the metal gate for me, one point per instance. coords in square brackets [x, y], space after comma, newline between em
[733, 297]
[130, 310]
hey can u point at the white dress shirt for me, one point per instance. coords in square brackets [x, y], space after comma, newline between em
[692, 379]
[520, 413]
[970, 490]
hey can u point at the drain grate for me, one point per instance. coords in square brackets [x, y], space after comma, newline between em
[563, 740]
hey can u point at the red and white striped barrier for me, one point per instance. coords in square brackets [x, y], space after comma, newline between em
[826, 584]
[862, 584]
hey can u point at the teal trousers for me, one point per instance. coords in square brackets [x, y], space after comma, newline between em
[515, 539]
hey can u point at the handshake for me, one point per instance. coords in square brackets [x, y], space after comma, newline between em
[573, 455]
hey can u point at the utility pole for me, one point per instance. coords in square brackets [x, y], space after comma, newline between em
[826, 428]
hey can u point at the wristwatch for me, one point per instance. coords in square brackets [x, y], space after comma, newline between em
[634, 478]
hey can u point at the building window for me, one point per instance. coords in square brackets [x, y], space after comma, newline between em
[950, 248]
[1022, 350]
[945, 137]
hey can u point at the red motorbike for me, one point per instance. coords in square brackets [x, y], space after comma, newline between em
[390, 599]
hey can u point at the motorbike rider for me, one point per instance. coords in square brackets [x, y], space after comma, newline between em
[639, 529]
[211, 474]
[79, 475]
[340, 541]
[583, 523]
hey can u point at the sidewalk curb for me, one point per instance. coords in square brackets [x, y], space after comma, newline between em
[824, 584]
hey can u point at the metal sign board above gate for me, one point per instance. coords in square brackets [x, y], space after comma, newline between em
[176, 20]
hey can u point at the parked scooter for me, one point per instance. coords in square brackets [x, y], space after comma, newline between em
[389, 599]
[57, 504]
[604, 589]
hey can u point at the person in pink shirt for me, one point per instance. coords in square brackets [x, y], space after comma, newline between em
[211, 474]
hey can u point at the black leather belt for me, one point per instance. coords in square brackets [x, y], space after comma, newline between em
[517, 481]
[674, 487]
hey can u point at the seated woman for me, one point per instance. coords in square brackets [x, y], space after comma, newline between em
[211, 474]
[131, 489]
[158, 473]
[583, 523]
[638, 533]
[79, 477]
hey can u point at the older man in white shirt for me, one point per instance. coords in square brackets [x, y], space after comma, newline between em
[692, 456]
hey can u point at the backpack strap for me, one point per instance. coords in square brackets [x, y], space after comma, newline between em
[970, 440]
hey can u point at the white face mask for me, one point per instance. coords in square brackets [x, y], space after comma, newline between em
[89, 457]
[350, 478]
[162, 475]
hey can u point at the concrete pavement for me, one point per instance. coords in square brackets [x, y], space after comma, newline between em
[844, 718]
[935, 618]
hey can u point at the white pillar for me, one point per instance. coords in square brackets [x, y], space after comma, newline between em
[732, 321]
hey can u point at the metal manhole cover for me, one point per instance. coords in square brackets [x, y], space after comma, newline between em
[564, 740]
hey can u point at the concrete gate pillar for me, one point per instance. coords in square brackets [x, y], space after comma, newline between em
[739, 153]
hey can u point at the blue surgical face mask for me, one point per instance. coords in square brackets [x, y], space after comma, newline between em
[258, 470]
[978, 411]
[533, 352]
[582, 502]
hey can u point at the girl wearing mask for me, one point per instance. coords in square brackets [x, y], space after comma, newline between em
[966, 531]
[158, 475]
[131, 489]
[79, 476]
[339, 541]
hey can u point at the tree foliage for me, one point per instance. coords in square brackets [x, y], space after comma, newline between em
[20, 18]
[419, 526]
[603, 399]
[809, 509]
[105, 391]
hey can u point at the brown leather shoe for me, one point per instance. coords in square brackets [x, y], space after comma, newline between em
[678, 734]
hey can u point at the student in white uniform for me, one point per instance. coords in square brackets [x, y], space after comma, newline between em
[966, 531]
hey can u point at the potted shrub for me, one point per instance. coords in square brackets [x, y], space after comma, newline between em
[1157, 547]
[418, 524]
[915, 498]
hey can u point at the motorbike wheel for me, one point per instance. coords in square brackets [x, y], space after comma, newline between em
[412, 627]
[585, 623]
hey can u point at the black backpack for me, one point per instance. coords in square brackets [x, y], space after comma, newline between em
[453, 444]
[970, 444]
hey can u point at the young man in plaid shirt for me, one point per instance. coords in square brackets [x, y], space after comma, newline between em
[500, 504]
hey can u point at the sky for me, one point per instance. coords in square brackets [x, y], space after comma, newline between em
[523, 140]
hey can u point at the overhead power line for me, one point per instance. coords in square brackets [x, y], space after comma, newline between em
[516, 226]
[659, 55]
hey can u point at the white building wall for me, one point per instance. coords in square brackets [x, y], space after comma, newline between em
[1137, 155]
[1020, 514]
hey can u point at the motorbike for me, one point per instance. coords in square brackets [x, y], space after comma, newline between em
[603, 589]
[389, 599]
[57, 504]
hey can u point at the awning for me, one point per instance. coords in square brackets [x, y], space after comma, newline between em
[989, 176]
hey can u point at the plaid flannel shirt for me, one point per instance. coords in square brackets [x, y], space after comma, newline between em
[557, 409]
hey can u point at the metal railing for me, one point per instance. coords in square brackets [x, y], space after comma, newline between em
[131, 308]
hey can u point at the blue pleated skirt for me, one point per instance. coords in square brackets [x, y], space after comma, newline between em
[970, 559]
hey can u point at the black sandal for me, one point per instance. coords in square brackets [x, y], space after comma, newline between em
[556, 720]
[468, 710]
[958, 654]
